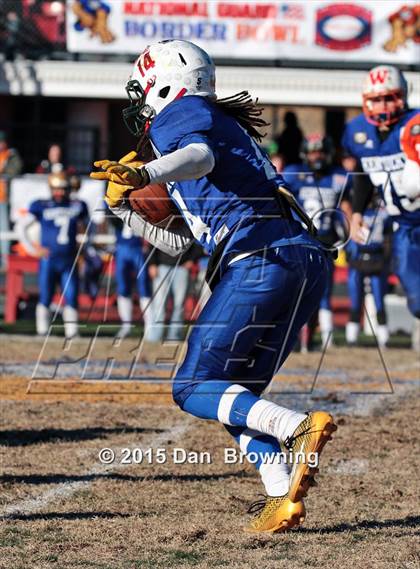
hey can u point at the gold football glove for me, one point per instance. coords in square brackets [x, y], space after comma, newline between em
[130, 160]
[123, 176]
[116, 193]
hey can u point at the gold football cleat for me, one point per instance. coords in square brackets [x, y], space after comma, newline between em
[275, 515]
[308, 439]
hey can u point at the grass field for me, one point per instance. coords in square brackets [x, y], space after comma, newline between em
[62, 508]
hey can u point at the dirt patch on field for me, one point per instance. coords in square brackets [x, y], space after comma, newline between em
[21, 389]
[68, 511]
[136, 373]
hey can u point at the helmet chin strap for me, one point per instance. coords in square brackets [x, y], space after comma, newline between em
[141, 142]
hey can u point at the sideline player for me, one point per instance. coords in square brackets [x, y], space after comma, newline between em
[60, 219]
[268, 272]
[385, 139]
[130, 266]
[371, 261]
[320, 188]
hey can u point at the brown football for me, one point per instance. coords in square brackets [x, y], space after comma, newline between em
[155, 206]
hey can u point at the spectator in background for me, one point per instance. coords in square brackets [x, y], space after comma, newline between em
[10, 166]
[54, 161]
[289, 140]
[10, 161]
[12, 27]
[169, 275]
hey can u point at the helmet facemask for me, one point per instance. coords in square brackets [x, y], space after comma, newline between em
[385, 117]
[320, 144]
[384, 85]
[138, 115]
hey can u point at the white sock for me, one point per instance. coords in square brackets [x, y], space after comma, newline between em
[415, 335]
[352, 332]
[276, 479]
[125, 308]
[271, 419]
[146, 310]
[326, 325]
[42, 317]
[124, 330]
[70, 318]
[382, 334]
[275, 474]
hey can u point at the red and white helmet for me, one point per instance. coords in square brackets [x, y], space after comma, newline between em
[164, 72]
[384, 81]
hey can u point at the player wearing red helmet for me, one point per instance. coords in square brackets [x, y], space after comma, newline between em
[384, 139]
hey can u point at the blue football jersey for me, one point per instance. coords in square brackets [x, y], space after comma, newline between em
[125, 237]
[59, 225]
[378, 224]
[319, 196]
[239, 190]
[384, 162]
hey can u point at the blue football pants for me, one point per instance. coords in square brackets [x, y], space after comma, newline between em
[250, 324]
[54, 271]
[378, 285]
[130, 267]
[406, 256]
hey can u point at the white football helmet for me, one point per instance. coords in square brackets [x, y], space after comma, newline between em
[164, 72]
[384, 81]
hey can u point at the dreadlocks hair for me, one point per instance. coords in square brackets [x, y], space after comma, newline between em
[144, 149]
[244, 110]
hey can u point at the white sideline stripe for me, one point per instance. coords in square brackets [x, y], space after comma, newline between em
[100, 239]
[226, 402]
[66, 489]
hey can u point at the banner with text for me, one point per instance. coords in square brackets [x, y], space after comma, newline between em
[375, 30]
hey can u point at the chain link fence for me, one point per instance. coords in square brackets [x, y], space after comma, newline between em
[32, 28]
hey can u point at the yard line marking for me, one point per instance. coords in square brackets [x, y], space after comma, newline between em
[66, 489]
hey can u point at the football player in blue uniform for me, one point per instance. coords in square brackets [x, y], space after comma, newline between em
[375, 139]
[321, 189]
[129, 266]
[268, 273]
[60, 219]
[371, 261]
